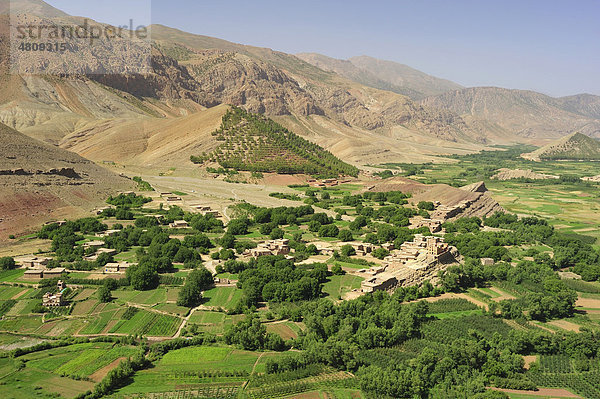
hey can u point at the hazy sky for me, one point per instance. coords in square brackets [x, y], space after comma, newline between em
[551, 46]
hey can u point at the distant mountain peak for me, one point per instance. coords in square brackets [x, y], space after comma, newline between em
[382, 74]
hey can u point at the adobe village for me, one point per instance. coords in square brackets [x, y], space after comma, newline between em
[245, 265]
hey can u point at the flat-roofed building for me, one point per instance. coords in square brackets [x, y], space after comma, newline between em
[93, 244]
[179, 224]
[33, 274]
[56, 272]
[110, 251]
[50, 299]
[37, 262]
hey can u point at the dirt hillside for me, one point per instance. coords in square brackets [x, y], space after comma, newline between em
[41, 182]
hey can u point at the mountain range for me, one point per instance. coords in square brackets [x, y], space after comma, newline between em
[363, 110]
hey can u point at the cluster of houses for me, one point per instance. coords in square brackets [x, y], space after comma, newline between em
[434, 225]
[206, 210]
[37, 268]
[272, 247]
[380, 282]
[422, 250]
[445, 212]
[99, 251]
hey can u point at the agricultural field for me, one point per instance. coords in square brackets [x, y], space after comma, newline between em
[222, 297]
[194, 368]
[147, 323]
[213, 322]
[570, 206]
[288, 327]
[338, 286]
[67, 371]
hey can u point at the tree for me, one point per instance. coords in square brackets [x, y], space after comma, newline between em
[142, 277]
[7, 263]
[337, 269]
[345, 235]
[104, 294]
[329, 230]
[238, 226]
[380, 253]
[348, 250]
[191, 293]
[276, 234]
[426, 205]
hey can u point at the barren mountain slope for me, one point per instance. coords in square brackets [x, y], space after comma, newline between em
[385, 75]
[148, 141]
[41, 182]
[276, 83]
[583, 104]
[525, 113]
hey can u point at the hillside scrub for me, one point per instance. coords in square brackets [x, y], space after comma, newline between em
[255, 143]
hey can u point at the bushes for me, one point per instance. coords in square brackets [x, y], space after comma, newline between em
[7, 263]
[104, 294]
[131, 200]
[329, 230]
[142, 277]
[191, 293]
[380, 253]
[250, 334]
[345, 235]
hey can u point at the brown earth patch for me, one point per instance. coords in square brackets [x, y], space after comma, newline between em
[503, 295]
[529, 360]
[84, 294]
[20, 294]
[284, 331]
[588, 303]
[283, 180]
[565, 325]
[109, 326]
[550, 392]
[101, 373]
[307, 395]
[450, 295]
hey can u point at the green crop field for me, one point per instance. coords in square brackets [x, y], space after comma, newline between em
[194, 367]
[337, 286]
[63, 370]
[98, 323]
[148, 323]
[11, 275]
[225, 297]
[29, 382]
